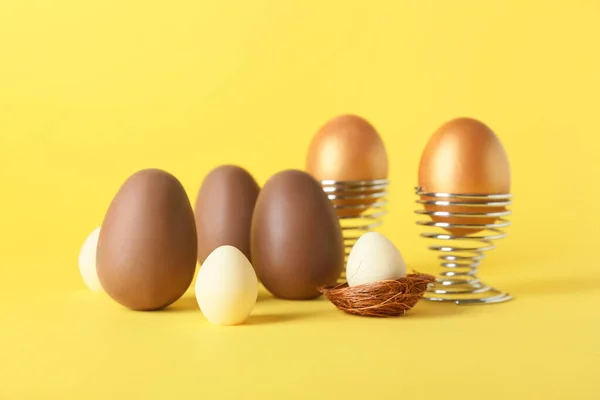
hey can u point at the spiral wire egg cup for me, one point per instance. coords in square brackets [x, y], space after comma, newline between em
[359, 205]
[458, 282]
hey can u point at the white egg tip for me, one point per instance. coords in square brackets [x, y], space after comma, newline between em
[87, 262]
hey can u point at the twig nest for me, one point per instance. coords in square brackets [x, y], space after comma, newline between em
[386, 298]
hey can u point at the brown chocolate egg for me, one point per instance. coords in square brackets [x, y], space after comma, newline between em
[464, 156]
[296, 239]
[224, 208]
[347, 148]
[146, 255]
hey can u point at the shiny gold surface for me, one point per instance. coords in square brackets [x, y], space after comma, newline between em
[347, 148]
[464, 156]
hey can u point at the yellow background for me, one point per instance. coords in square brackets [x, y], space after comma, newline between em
[91, 91]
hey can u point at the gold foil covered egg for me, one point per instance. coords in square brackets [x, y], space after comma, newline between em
[464, 156]
[347, 148]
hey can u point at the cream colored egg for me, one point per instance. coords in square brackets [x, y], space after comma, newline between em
[374, 258]
[226, 286]
[87, 261]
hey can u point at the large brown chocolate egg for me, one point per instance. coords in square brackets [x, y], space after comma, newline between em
[146, 255]
[296, 239]
[464, 156]
[224, 208]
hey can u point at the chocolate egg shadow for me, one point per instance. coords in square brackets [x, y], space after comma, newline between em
[264, 296]
[186, 303]
[263, 319]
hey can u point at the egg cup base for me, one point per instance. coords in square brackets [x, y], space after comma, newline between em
[466, 294]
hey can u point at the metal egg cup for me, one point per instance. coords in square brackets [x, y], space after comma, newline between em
[366, 211]
[458, 282]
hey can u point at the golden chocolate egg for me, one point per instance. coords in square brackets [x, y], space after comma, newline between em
[464, 156]
[348, 148]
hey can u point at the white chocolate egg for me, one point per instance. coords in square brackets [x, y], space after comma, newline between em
[226, 286]
[374, 258]
[87, 262]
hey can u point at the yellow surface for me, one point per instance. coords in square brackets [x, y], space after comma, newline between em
[91, 91]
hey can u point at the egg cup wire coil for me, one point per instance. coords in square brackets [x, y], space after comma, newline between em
[458, 282]
[360, 206]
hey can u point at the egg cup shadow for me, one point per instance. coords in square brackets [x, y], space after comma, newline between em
[555, 286]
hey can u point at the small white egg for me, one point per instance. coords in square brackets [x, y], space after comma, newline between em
[87, 262]
[374, 258]
[226, 286]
